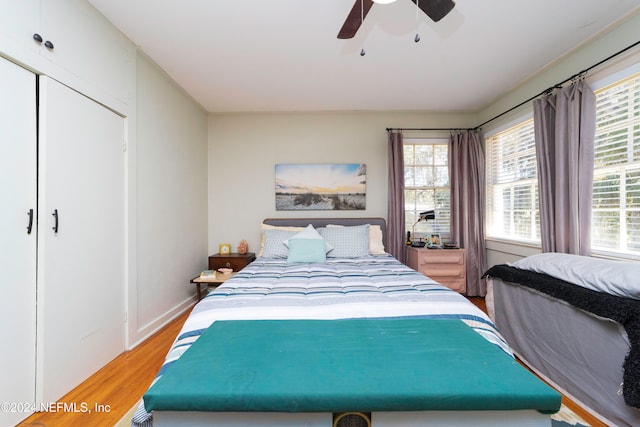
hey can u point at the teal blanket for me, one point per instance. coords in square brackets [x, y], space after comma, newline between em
[346, 365]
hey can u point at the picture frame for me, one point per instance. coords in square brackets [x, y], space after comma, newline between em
[224, 248]
[435, 240]
[332, 186]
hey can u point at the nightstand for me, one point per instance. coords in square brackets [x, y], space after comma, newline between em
[445, 266]
[232, 260]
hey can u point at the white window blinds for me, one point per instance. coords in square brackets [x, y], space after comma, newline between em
[512, 185]
[616, 186]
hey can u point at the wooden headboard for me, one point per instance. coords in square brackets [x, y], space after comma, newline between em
[323, 222]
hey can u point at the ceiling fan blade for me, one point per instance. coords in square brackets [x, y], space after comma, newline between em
[436, 9]
[354, 19]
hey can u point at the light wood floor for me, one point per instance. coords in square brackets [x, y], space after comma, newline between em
[116, 387]
[121, 383]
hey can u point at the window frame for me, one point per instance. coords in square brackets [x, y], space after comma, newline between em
[512, 185]
[432, 226]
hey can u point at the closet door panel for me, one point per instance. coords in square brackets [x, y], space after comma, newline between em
[88, 46]
[19, 20]
[81, 240]
[17, 246]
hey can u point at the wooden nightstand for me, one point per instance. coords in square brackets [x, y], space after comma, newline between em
[445, 266]
[232, 260]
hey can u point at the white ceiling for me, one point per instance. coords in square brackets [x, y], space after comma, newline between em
[283, 55]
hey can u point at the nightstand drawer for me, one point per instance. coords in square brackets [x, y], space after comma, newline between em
[443, 270]
[442, 256]
[235, 261]
[445, 266]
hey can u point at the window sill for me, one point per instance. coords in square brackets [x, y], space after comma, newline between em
[520, 248]
[512, 247]
[616, 256]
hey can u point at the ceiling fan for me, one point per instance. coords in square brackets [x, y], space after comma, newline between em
[435, 9]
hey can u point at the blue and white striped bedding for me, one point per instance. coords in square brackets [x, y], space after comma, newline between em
[377, 286]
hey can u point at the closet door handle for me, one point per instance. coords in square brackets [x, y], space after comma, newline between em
[30, 226]
[55, 216]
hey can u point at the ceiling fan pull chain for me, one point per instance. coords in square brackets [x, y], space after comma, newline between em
[417, 37]
[362, 52]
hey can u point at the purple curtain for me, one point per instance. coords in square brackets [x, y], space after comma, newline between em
[395, 203]
[466, 178]
[564, 132]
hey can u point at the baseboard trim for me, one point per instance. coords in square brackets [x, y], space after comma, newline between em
[158, 323]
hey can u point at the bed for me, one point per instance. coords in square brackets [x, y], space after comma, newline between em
[312, 333]
[575, 321]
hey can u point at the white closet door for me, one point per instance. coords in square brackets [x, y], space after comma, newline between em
[17, 247]
[81, 265]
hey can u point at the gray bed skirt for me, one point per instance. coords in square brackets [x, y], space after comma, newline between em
[579, 353]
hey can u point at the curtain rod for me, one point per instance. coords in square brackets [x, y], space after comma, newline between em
[449, 129]
[558, 85]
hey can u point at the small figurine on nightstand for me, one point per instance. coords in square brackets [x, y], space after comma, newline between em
[243, 247]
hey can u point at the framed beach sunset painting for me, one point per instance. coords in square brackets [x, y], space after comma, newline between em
[337, 186]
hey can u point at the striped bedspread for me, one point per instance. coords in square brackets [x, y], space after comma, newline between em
[372, 287]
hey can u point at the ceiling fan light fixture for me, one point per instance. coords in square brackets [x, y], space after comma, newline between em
[383, 1]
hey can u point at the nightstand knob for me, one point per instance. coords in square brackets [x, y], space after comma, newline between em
[228, 264]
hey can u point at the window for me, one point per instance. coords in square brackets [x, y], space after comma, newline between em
[512, 195]
[426, 183]
[512, 184]
[616, 181]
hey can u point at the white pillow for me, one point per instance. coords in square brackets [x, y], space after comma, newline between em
[376, 247]
[309, 233]
[620, 278]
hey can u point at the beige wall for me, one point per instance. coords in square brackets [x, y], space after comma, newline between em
[170, 240]
[244, 149]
